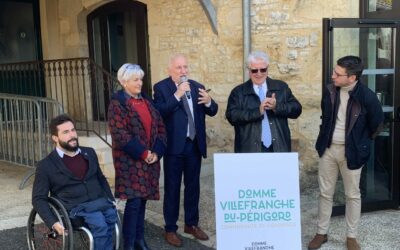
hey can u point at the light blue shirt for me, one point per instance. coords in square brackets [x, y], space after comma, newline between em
[264, 86]
[61, 153]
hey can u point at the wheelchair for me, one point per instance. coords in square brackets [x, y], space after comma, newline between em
[76, 235]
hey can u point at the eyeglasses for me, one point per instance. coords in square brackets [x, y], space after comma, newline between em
[129, 66]
[255, 71]
[334, 73]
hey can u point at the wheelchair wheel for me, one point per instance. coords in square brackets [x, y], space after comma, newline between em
[40, 237]
[82, 240]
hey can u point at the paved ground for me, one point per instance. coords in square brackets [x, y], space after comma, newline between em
[378, 230]
[14, 239]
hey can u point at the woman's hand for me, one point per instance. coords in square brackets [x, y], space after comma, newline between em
[151, 157]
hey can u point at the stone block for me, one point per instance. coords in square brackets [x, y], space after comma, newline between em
[292, 54]
[108, 170]
[64, 26]
[104, 155]
[297, 41]
[72, 39]
[290, 68]
[314, 39]
[279, 17]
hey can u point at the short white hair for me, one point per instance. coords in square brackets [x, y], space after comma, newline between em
[175, 56]
[257, 55]
[129, 71]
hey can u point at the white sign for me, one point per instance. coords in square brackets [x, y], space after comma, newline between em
[257, 201]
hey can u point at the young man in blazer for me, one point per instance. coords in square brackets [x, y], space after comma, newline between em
[72, 175]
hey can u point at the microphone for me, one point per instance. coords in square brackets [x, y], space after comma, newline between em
[185, 79]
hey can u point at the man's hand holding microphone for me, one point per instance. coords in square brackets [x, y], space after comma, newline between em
[183, 88]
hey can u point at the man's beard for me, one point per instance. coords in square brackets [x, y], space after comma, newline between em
[67, 146]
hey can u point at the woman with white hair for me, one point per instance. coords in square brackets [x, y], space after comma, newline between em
[138, 141]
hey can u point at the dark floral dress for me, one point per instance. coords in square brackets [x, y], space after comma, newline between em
[134, 178]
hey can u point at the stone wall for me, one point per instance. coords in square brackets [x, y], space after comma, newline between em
[290, 31]
[215, 60]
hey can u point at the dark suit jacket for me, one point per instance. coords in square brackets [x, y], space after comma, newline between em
[54, 177]
[175, 117]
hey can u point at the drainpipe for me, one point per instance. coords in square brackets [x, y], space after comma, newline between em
[246, 36]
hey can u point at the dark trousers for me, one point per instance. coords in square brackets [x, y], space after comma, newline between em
[133, 226]
[264, 149]
[101, 224]
[188, 163]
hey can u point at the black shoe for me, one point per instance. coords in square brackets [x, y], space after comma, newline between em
[141, 245]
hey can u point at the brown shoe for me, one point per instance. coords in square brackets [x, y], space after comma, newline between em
[317, 242]
[352, 244]
[196, 232]
[173, 239]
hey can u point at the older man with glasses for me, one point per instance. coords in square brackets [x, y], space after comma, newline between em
[259, 108]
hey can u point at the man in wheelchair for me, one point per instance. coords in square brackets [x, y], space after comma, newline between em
[72, 175]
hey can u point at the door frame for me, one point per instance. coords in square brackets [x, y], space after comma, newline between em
[102, 12]
[327, 56]
[143, 47]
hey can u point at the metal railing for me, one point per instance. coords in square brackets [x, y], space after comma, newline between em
[24, 129]
[81, 86]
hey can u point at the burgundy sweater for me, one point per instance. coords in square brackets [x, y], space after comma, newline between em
[145, 117]
[78, 165]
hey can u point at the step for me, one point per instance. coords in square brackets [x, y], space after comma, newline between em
[92, 141]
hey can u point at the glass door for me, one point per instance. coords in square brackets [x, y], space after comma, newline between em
[376, 42]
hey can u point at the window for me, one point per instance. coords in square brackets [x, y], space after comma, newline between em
[380, 9]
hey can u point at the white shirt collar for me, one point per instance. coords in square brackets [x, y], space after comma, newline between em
[61, 153]
[264, 86]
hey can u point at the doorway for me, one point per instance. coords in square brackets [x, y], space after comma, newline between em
[20, 42]
[118, 34]
[376, 42]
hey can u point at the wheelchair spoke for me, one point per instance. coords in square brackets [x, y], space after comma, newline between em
[40, 237]
[81, 241]
[45, 239]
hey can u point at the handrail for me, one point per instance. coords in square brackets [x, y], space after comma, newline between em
[81, 86]
[24, 129]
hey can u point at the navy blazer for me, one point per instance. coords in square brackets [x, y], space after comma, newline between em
[175, 117]
[52, 176]
[364, 120]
